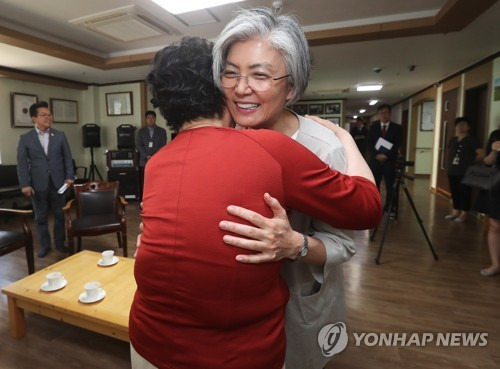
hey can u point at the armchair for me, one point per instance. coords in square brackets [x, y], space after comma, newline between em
[98, 210]
[13, 240]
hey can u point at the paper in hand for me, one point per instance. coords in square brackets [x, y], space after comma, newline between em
[383, 145]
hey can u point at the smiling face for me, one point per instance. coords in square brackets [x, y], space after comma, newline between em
[43, 119]
[249, 108]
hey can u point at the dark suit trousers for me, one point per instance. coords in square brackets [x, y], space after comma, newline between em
[387, 171]
[42, 202]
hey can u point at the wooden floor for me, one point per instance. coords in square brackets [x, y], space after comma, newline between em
[408, 292]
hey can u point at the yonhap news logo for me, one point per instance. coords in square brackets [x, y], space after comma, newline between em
[454, 339]
[333, 338]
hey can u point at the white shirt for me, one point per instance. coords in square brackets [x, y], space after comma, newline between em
[44, 139]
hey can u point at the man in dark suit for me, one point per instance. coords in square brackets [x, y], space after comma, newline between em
[384, 141]
[44, 165]
[150, 139]
[359, 132]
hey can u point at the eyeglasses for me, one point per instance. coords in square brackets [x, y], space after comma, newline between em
[256, 81]
[44, 115]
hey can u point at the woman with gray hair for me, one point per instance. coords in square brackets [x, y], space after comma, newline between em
[262, 64]
[195, 305]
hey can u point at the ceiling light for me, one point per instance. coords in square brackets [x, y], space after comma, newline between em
[184, 6]
[355, 116]
[373, 102]
[372, 87]
[361, 111]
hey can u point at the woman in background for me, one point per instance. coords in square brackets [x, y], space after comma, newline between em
[489, 204]
[464, 150]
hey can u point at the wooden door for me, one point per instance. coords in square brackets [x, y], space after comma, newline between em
[475, 108]
[448, 115]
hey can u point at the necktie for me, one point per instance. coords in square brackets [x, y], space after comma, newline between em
[384, 130]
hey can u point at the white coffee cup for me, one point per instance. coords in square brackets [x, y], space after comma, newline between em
[92, 289]
[107, 256]
[55, 279]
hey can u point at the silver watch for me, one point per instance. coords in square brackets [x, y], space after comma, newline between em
[305, 247]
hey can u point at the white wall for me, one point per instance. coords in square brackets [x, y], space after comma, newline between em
[436, 138]
[494, 121]
[91, 109]
[109, 124]
[423, 147]
[10, 136]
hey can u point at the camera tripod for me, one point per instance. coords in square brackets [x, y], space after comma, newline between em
[385, 220]
[93, 167]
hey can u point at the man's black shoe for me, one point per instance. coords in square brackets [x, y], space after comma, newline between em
[62, 249]
[43, 253]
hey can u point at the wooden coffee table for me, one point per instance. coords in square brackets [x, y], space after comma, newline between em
[108, 316]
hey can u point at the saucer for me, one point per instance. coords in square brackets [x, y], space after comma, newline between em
[113, 262]
[45, 286]
[83, 297]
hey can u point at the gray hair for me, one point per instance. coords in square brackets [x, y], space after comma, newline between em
[282, 31]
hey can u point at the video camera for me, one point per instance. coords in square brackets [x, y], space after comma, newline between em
[401, 163]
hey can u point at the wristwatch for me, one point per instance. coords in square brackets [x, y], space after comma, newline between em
[305, 247]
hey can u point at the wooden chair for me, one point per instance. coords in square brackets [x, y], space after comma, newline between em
[13, 240]
[98, 210]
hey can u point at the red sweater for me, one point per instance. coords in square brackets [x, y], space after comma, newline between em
[195, 305]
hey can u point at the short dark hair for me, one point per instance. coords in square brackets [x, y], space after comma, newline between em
[383, 106]
[35, 106]
[462, 119]
[150, 112]
[182, 84]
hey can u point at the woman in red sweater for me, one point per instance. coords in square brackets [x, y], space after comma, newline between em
[195, 305]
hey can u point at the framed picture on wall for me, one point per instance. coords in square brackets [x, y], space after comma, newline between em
[332, 108]
[20, 109]
[300, 109]
[335, 120]
[64, 111]
[316, 109]
[427, 116]
[119, 103]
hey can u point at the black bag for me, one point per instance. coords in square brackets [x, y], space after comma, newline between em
[485, 178]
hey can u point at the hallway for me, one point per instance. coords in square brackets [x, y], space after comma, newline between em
[409, 292]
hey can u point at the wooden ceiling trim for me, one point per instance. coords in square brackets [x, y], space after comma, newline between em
[127, 61]
[39, 78]
[412, 27]
[29, 42]
[453, 16]
[341, 35]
